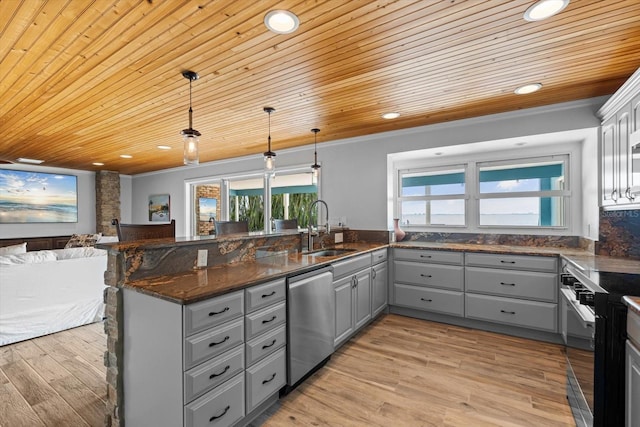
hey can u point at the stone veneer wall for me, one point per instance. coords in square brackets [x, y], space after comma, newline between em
[619, 234]
[212, 192]
[107, 201]
[137, 261]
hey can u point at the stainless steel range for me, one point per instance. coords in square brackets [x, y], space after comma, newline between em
[594, 330]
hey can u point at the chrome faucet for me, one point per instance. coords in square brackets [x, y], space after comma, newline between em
[310, 238]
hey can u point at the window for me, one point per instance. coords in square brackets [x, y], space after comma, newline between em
[519, 193]
[433, 197]
[529, 193]
[242, 197]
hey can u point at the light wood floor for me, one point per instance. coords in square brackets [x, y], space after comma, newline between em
[397, 372]
[408, 372]
[55, 380]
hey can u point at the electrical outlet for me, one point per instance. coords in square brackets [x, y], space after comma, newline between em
[338, 238]
[202, 257]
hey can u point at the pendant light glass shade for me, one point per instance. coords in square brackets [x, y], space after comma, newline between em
[315, 167]
[190, 136]
[269, 156]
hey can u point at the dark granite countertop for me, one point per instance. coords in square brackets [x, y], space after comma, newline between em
[197, 285]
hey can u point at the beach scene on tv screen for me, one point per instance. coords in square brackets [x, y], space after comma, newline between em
[27, 197]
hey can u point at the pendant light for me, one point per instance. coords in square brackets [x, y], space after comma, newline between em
[190, 136]
[315, 167]
[269, 156]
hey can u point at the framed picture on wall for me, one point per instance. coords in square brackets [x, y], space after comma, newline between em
[159, 208]
[31, 197]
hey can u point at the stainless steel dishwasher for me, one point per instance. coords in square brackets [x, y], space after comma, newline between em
[310, 323]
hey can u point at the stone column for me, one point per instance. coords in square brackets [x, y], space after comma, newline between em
[107, 201]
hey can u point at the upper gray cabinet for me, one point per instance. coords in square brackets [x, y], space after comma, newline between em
[620, 147]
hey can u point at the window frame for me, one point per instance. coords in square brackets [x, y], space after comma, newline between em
[569, 154]
[428, 198]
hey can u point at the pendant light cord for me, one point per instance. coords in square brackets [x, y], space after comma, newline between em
[190, 109]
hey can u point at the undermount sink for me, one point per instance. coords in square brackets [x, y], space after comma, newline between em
[329, 252]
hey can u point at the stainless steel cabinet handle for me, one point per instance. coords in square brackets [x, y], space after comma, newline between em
[507, 262]
[373, 274]
[614, 195]
[628, 195]
[425, 275]
[426, 300]
[425, 256]
[268, 295]
[507, 284]
[507, 312]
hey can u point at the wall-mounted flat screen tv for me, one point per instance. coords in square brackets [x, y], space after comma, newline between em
[30, 197]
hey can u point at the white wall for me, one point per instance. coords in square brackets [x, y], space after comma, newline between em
[354, 171]
[86, 208]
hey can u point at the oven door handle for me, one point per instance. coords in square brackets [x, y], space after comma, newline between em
[587, 317]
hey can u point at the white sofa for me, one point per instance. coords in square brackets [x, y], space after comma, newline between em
[42, 292]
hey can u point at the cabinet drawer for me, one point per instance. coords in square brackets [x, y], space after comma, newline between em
[214, 311]
[511, 283]
[428, 299]
[212, 373]
[265, 378]
[436, 275]
[265, 319]
[443, 257]
[351, 266]
[265, 344]
[211, 342]
[519, 262]
[264, 295]
[530, 314]
[379, 256]
[221, 407]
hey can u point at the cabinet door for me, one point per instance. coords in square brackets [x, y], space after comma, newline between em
[362, 292]
[344, 308]
[608, 169]
[623, 119]
[632, 408]
[379, 288]
[634, 151]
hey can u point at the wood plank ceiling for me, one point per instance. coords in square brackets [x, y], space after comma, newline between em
[87, 81]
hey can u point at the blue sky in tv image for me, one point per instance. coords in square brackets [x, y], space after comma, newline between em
[32, 197]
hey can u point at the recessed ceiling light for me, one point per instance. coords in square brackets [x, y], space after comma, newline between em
[281, 21]
[544, 9]
[31, 161]
[391, 115]
[530, 88]
[164, 147]
[97, 164]
[126, 156]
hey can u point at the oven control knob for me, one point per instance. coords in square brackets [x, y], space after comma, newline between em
[587, 298]
[568, 279]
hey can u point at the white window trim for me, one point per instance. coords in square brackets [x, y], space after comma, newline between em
[571, 149]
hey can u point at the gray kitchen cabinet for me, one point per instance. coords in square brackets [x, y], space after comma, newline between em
[620, 117]
[210, 363]
[352, 291]
[632, 392]
[379, 287]
[518, 290]
[429, 280]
